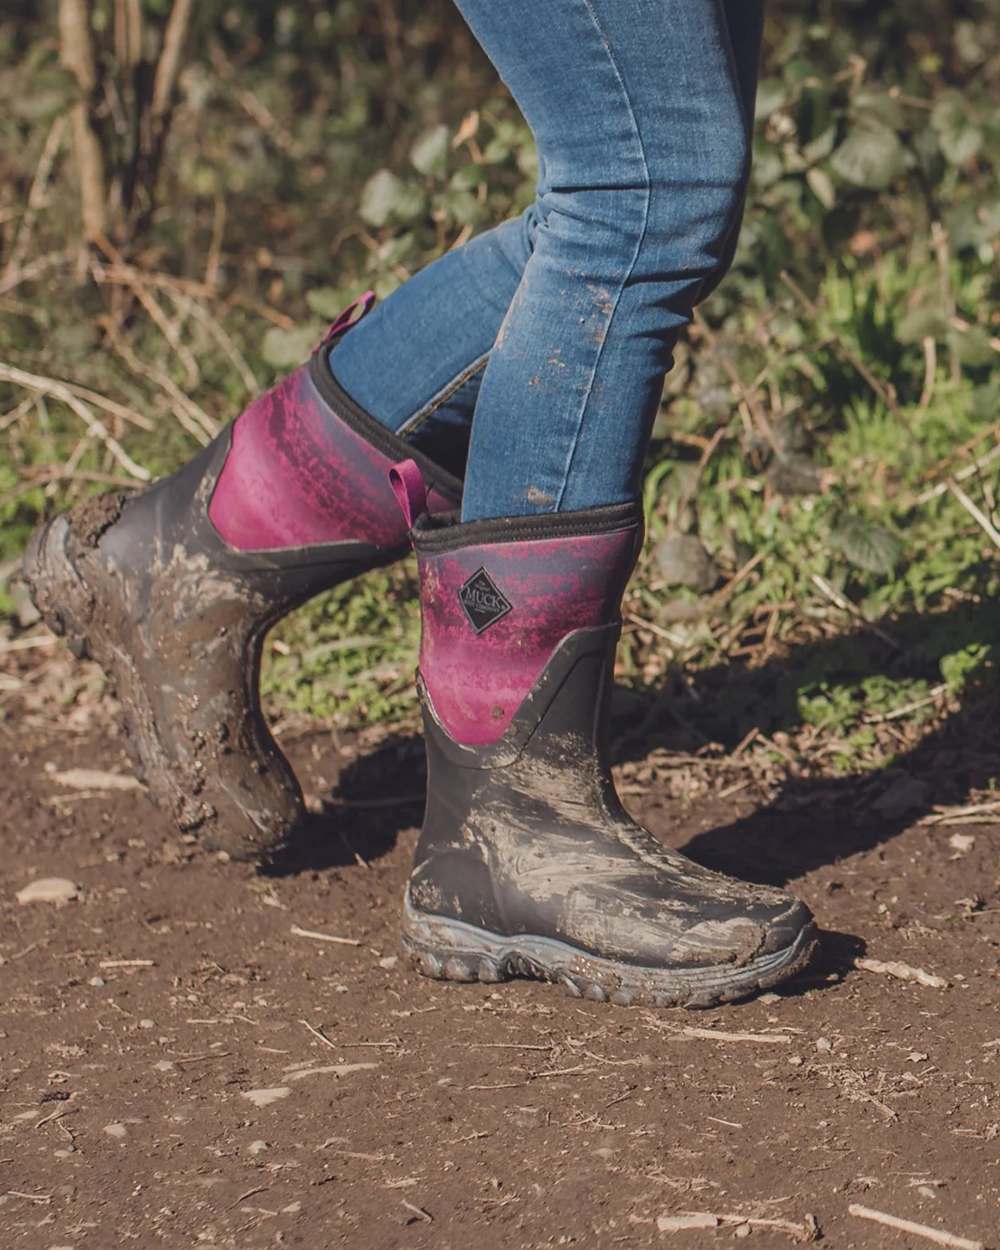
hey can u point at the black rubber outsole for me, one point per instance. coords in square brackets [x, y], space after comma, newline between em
[450, 950]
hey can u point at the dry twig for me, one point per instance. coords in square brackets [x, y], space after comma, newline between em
[59, 390]
[974, 510]
[324, 937]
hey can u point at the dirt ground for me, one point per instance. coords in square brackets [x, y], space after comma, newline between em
[182, 1066]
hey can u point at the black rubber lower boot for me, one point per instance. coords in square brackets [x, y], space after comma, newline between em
[176, 615]
[527, 863]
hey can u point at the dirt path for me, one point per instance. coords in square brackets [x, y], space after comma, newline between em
[138, 1021]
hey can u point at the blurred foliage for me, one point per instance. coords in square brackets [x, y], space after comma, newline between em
[845, 370]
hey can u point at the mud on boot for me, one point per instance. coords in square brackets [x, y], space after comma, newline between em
[172, 590]
[527, 864]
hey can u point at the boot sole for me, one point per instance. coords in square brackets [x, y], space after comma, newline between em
[451, 950]
[69, 606]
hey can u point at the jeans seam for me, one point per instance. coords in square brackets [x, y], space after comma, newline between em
[632, 264]
[441, 397]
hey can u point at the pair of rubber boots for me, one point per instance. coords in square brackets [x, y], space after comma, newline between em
[527, 863]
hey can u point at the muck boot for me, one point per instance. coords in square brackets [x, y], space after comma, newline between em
[527, 864]
[172, 590]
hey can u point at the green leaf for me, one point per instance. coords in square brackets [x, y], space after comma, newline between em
[282, 349]
[429, 154]
[386, 197]
[821, 185]
[921, 322]
[871, 156]
[771, 94]
[879, 107]
[326, 301]
[959, 136]
[866, 545]
[379, 196]
[972, 346]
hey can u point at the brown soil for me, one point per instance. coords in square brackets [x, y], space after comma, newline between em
[418, 1114]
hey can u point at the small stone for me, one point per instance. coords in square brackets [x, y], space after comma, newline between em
[49, 890]
[264, 1097]
[962, 842]
[97, 982]
[795, 1061]
[257, 1147]
[389, 961]
[147, 1024]
[682, 560]
[824, 1044]
[115, 1130]
[292, 1208]
[164, 1065]
[742, 1230]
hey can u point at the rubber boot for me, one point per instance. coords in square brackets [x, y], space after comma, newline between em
[172, 591]
[527, 864]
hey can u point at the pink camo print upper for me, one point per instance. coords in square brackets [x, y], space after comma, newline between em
[477, 682]
[298, 475]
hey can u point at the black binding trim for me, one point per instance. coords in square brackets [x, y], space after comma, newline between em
[383, 440]
[444, 532]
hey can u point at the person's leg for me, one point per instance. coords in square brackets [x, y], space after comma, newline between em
[640, 112]
[416, 361]
[527, 864]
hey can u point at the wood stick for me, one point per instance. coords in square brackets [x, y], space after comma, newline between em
[973, 509]
[918, 1230]
[324, 937]
[170, 58]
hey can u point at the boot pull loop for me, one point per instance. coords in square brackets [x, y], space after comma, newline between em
[410, 489]
[347, 318]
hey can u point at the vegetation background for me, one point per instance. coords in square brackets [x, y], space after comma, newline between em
[188, 193]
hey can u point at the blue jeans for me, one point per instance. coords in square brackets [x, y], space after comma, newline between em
[552, 333]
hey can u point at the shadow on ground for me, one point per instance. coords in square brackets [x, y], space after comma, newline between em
[813, 821]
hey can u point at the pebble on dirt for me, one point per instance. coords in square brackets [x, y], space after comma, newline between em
[49, 890]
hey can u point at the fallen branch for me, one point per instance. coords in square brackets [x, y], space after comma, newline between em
[95, 779]
[918, 1230]
[717, 1035]
[903, 972]
[958, 815]
[807, 1231]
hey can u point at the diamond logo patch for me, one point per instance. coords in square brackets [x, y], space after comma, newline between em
[482, 600]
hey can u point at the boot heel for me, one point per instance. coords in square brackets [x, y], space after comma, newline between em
[446, 950]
